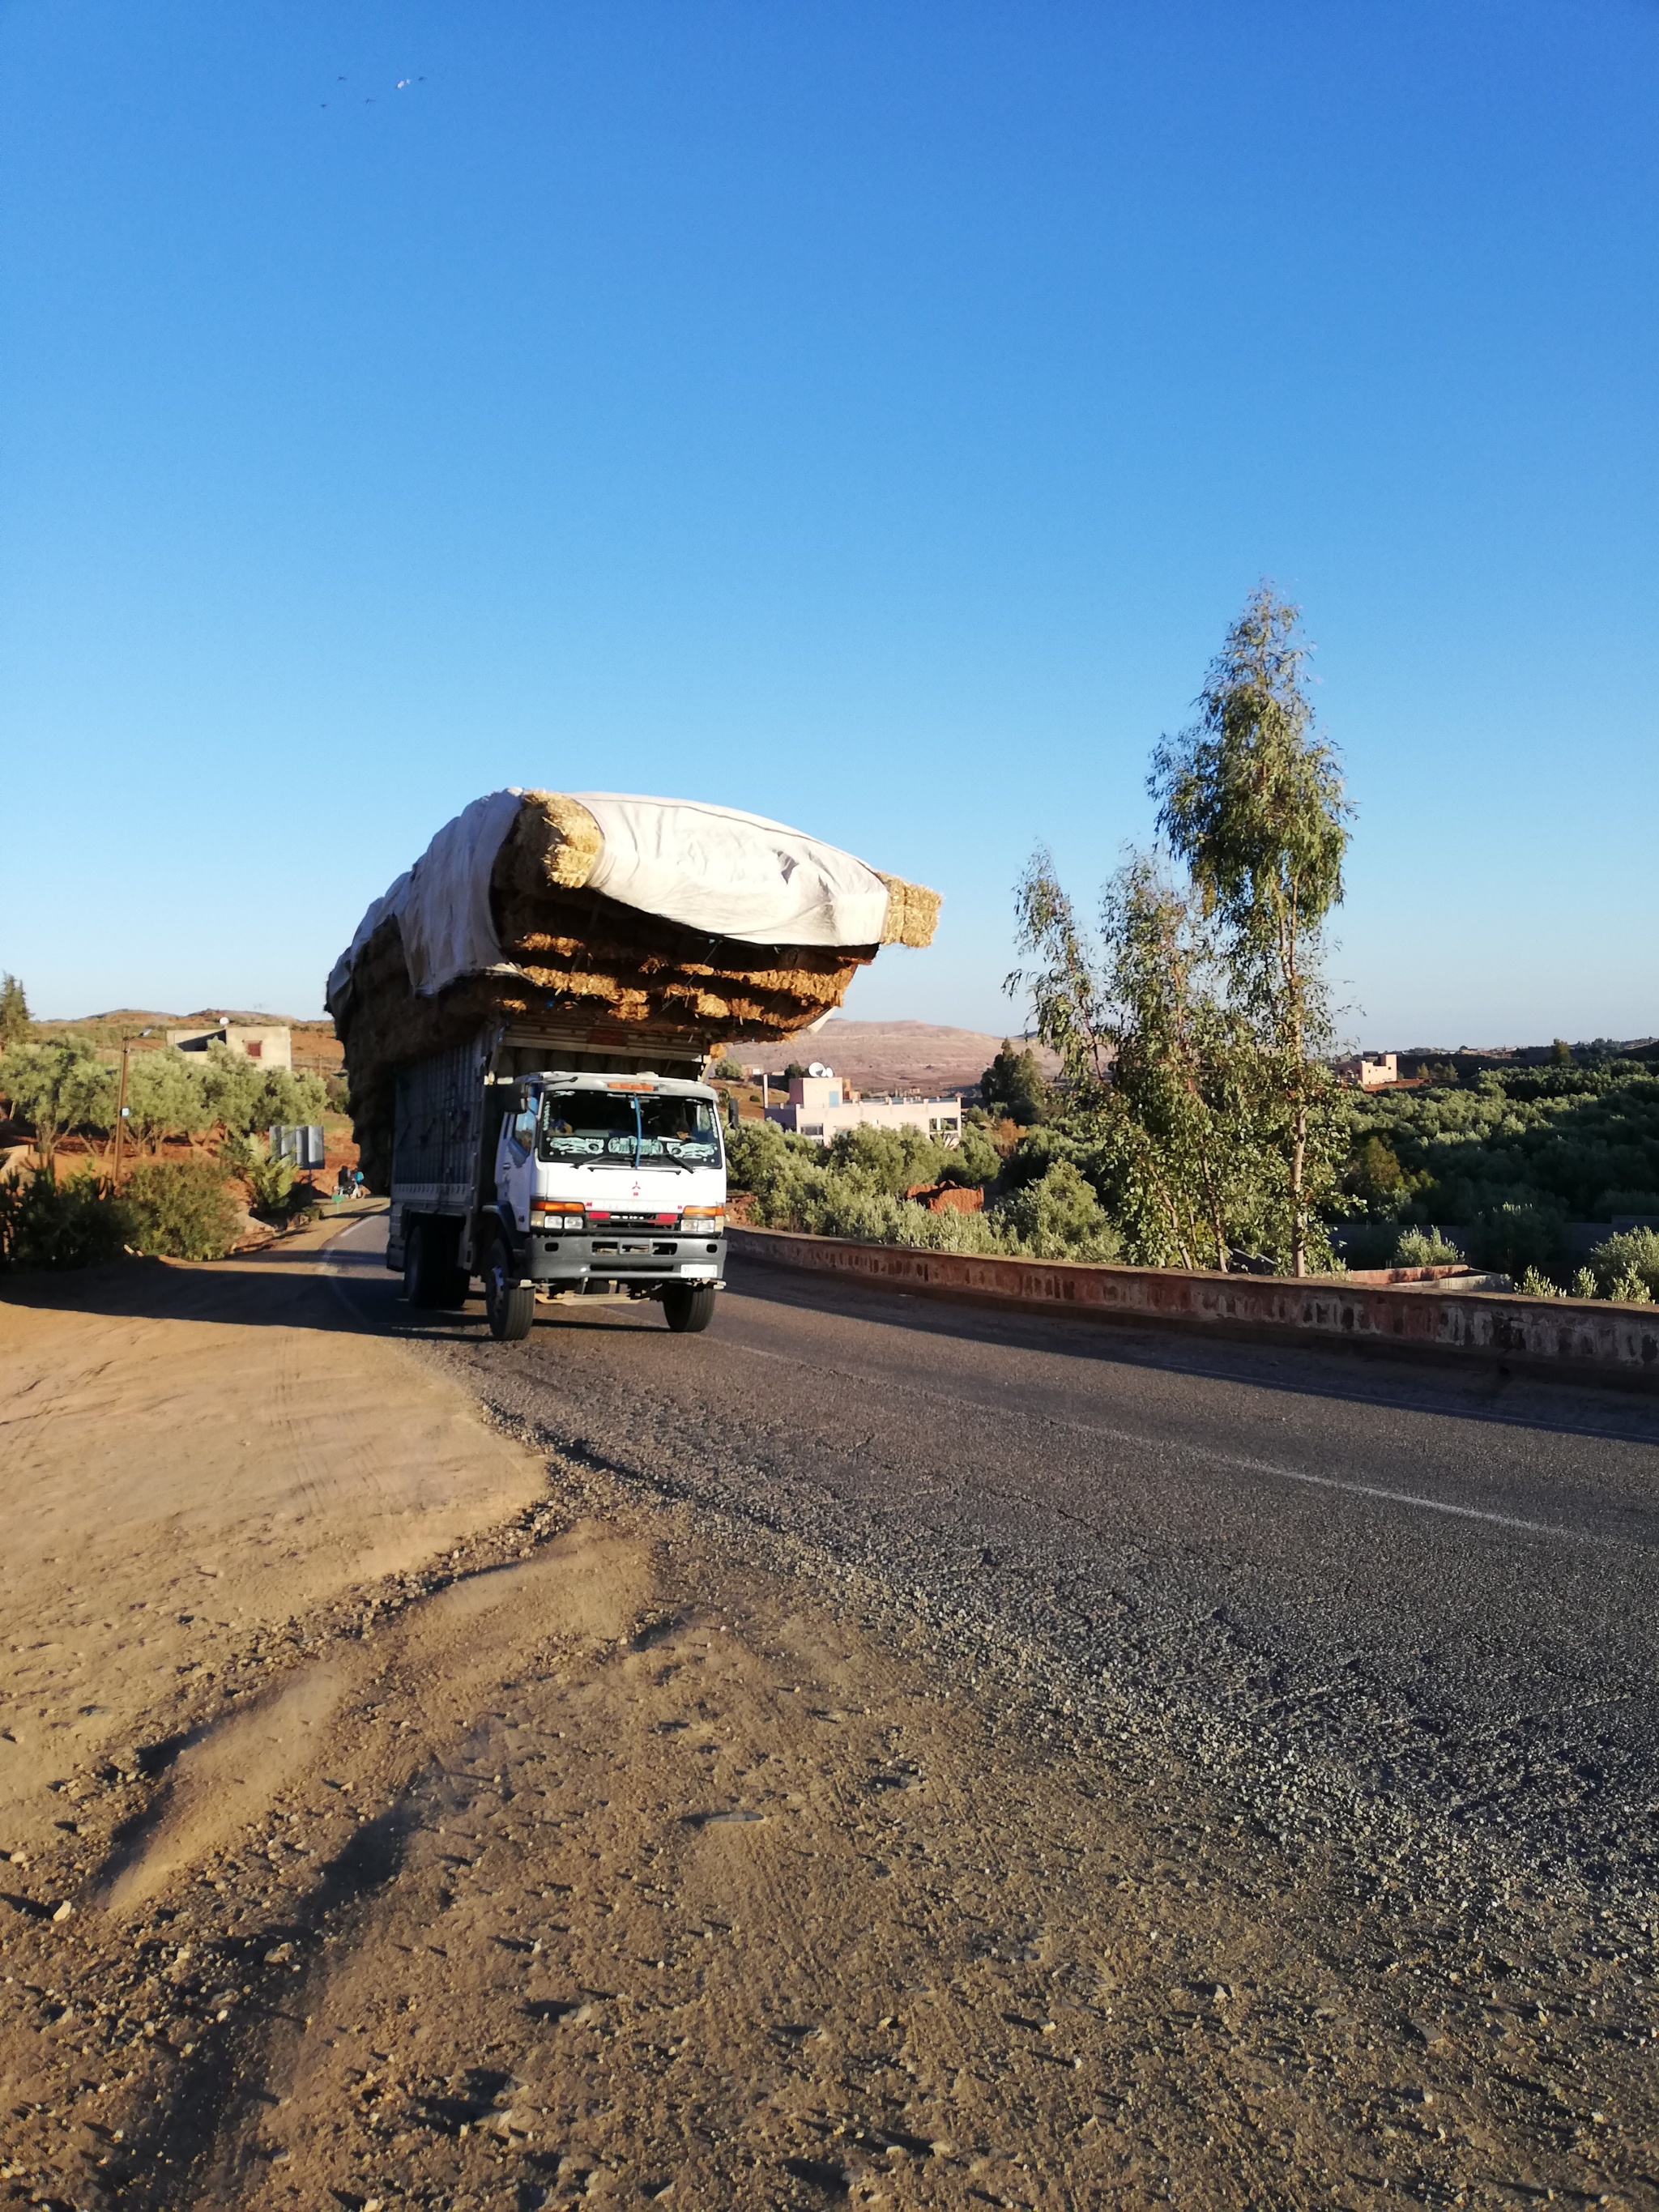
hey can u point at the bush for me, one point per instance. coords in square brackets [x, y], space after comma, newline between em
[271, 1182]
[1425, 1247]
[76, 1223]
[1059, 1218]
[182, 1208]
[972, 1162]
[892, 1160]
[1626, 1267]
[726, 1071]
[758, 1152]
[1534, 1284]
[1515, 1238]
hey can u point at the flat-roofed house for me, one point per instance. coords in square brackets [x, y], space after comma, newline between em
[270, 1044]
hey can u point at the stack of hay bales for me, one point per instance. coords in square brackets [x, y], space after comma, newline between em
[506, 919]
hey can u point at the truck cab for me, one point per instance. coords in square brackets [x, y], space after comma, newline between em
[605, 1183]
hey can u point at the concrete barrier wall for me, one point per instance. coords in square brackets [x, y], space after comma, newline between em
[1594, 1341]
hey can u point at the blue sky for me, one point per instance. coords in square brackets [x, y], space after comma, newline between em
[868, 415]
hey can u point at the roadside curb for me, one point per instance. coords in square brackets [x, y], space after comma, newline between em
[1572, 1338]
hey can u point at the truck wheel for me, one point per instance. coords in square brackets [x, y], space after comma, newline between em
[688, 1307]
[510, 1306]
[423, 1267]
[432, 1276]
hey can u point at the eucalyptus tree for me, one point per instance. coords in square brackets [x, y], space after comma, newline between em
[1250, 800]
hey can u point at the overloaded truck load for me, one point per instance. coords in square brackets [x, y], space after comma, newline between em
[601, 933]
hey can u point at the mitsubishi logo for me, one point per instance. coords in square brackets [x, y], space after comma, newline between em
[637, 1190]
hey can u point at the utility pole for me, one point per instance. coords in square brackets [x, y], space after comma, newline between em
[127, 1036]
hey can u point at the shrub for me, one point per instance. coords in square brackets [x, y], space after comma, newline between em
[893, 1160]
[1517, 1236]
[758, 1152]
[1626, 1267]
[271, 1182]
[182, 1208]
[76, 1223]
[1534, 1284]
[1059, 1218]
[1425, 1247]
[972, 1162]
[726, 1071]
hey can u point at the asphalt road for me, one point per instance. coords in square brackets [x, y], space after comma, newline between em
[1408, 1613]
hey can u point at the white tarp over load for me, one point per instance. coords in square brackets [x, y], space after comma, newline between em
[712, 869]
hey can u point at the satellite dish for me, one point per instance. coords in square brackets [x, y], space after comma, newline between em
[818, 1067]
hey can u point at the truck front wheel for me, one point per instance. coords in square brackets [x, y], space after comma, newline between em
[510, 1306]
[688, 1307]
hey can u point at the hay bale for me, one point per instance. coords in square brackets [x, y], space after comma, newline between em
[572, 958]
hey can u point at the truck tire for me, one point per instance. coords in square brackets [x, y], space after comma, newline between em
[431, 1277]
[688, 1307]
[511, 1306]
[422, 1266]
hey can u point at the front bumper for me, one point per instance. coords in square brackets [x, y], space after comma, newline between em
[642, 1256]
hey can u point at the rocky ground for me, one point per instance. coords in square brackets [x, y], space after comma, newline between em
[554, 1831]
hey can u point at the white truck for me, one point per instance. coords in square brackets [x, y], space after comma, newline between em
[552, 1172]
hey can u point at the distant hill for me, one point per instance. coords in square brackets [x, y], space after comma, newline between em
[923, 1056]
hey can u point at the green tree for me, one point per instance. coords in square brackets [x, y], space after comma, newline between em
[1250, 800]
[13, 1012]
[167, 1097]
[55, 1087]
[1015, 1086]
[1159, 1066]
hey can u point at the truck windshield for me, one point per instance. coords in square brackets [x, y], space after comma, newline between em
[628, 1129]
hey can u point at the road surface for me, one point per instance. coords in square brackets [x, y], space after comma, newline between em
[1412, 1610]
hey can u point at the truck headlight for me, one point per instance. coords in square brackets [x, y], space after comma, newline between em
[703, 1221]
[544, 1215]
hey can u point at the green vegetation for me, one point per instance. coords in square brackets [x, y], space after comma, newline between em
[56, 1088]
[1014, 1087]
[64, 1085]
[1193, 1027]
[13, 1011]
[46, 1224]
[1508, 1160]
[1425, 1247]
[182, 1208]
[856, 1187]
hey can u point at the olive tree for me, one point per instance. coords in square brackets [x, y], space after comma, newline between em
[55, 1087]
[165, 1098]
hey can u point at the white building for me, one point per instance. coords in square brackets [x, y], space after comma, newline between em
[822, 1106]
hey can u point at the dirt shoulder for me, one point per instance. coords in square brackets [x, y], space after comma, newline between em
[441, 1825]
